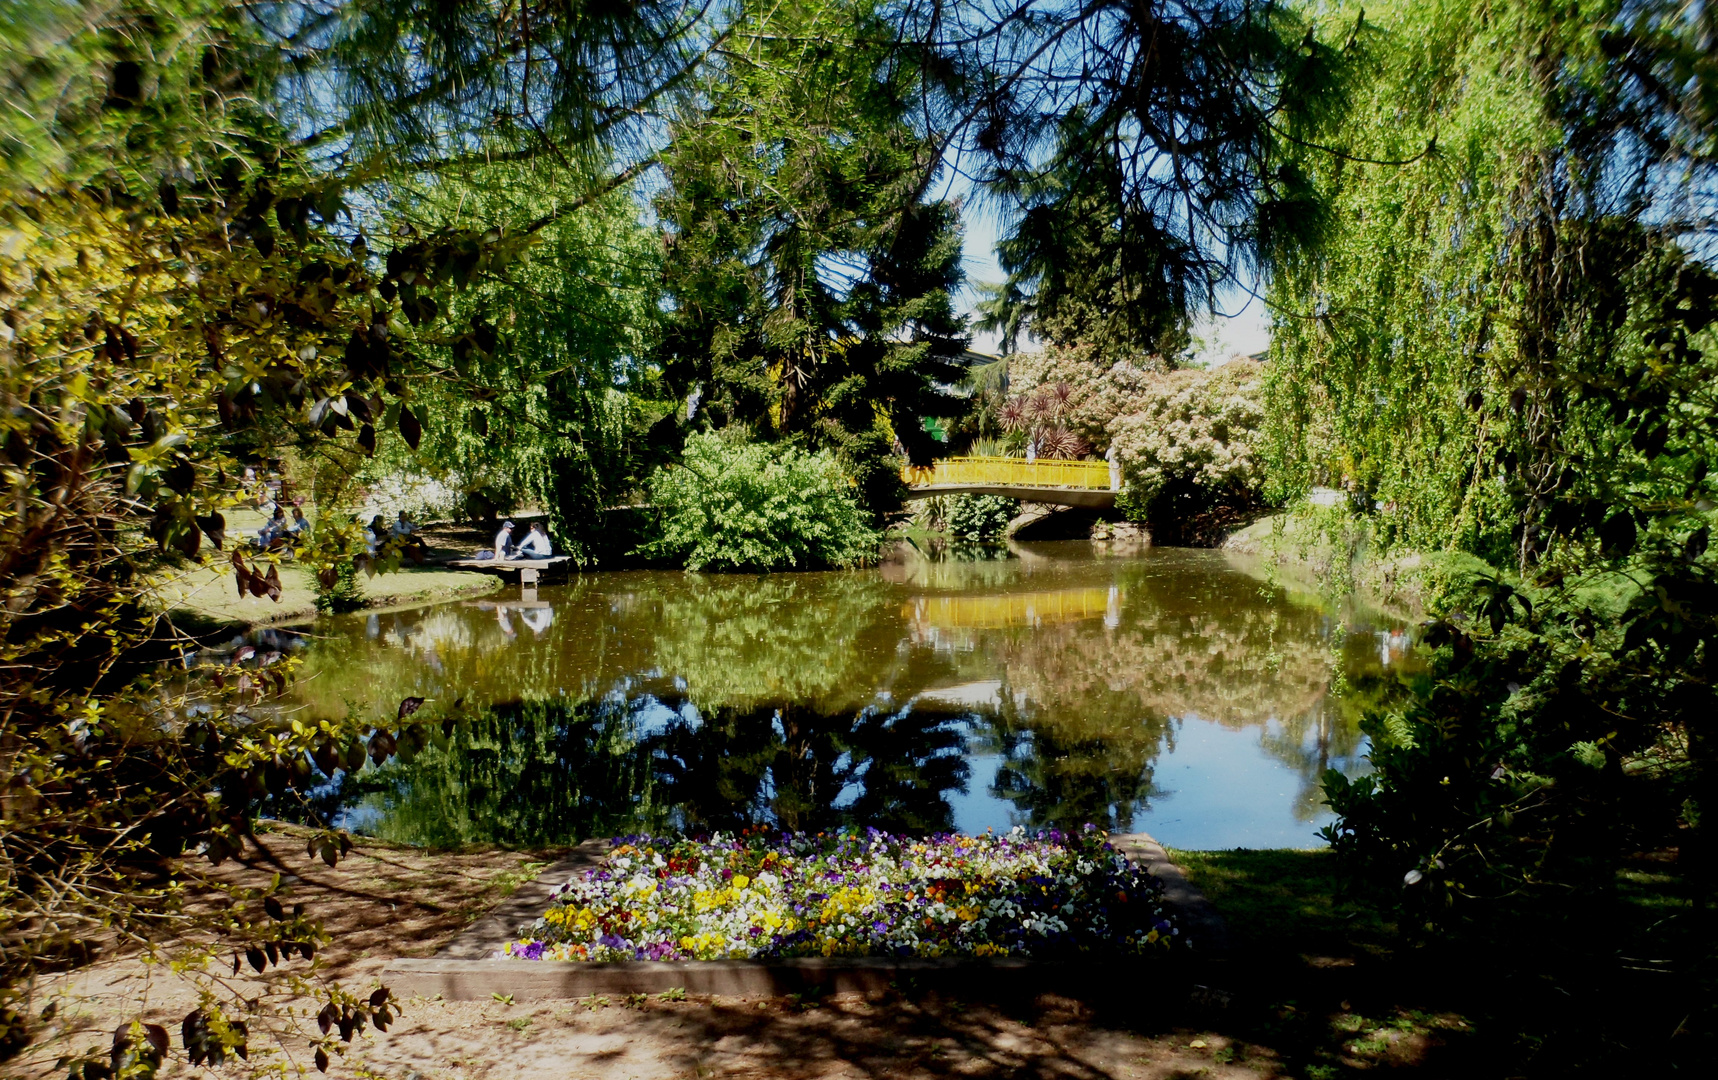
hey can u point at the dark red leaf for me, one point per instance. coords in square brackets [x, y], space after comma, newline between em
[378, 997]
[410, 429]
[321, 1060]
[410, 705]
[382, 746]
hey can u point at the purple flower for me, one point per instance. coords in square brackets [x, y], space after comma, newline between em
[533, 951]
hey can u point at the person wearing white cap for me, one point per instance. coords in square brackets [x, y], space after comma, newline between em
[504, 540]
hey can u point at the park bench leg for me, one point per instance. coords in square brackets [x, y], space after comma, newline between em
[528, 584]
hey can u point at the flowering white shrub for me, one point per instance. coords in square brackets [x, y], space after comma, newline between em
[1098, 392]
[1199, 428]
[420, 495]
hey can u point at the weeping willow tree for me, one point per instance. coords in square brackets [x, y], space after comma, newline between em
[1505, 345]
[551, 399]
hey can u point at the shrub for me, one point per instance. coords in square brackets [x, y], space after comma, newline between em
[750, 506]
[1190, 447]
[980, 517]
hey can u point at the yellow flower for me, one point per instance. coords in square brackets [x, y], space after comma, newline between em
[741, 881]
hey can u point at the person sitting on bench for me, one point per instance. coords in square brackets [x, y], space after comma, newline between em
[536, 544]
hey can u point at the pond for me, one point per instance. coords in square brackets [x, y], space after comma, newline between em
[1167, 690]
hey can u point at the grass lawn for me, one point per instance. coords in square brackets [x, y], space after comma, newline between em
[1332, 988]
[207, 593]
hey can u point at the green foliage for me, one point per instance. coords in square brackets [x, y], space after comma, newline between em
[811, 282]
[185, 290]
[730, 505]
[1135, 186]
[1505, 344]
[549, 400]
[345, 594]
[980, 517]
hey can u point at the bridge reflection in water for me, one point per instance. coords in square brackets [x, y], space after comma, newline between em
[1090, 484]
[1000, 611]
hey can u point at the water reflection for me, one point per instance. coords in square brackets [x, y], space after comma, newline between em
[557, 772]
[1057, 688]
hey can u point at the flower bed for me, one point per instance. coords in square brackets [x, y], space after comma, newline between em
[764, 896]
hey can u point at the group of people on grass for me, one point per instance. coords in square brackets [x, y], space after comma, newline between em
[278, 531]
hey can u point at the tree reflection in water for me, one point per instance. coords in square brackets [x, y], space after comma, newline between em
[553, 772]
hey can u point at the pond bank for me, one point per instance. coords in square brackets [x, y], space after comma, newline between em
[205, 596]
[1334, 558]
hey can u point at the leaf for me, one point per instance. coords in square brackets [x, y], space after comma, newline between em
[272, 906]
[378, 997]
[272, 583]
[190, 539]
[382, 746]
[321, 1059]
[410, 705]
[410, 429]
[256, 958]
[367, 440]
[326, 1018]
[1617, 535]
[215, 528]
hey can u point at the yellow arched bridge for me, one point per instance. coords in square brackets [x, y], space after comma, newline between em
[1065, 483]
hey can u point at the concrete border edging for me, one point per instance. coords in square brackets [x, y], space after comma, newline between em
[463, 970]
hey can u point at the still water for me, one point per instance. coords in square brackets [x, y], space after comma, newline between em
[1167, 690]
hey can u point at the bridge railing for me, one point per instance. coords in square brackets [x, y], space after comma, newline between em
[1010, 472]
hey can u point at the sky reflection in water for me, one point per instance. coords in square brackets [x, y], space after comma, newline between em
[1167, 691]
